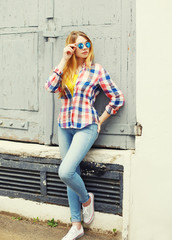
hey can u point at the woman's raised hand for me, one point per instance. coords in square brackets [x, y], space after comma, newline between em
[69, 51]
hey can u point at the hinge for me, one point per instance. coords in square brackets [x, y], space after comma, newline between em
[121, 129]
[138, 129]
[13, 123]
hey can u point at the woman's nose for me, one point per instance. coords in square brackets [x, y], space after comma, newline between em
[84, 47]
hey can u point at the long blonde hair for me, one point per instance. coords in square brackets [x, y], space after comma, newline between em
[71, 65]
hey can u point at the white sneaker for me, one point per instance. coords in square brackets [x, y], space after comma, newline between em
[88, 212]
[74, 233]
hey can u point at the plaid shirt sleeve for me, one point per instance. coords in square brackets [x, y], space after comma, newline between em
[54, 81]
[78, 111]
[112, 91]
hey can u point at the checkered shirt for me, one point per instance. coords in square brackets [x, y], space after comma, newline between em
[78, 111]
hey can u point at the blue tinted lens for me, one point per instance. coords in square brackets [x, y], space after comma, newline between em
[80, 45]
[88, 44]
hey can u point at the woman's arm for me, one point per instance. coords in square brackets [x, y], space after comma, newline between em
[113, 93]
[102, 118]
[67, 54]
[54, 81]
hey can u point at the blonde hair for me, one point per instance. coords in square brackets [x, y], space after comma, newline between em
[71, 65]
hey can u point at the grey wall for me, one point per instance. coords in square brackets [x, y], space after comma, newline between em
[31, 44]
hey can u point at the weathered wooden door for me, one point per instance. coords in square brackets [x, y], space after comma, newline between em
[111, 27]
[32, 37]
[21, 75]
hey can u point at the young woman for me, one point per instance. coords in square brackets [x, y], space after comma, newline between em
[78, 81]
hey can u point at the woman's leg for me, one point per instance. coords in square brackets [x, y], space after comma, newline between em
[81, 143]
[74, 203]
[65, 137]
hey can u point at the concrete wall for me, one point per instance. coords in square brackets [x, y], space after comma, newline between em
[31, 209]
[151, 197]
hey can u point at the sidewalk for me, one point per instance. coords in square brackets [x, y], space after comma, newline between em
[11, 228]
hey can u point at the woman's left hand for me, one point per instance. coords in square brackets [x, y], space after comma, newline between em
[102, 118]
[99, 127]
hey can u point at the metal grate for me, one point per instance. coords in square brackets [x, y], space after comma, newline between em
[20, 180]
[37, 179]
[55, 187]
[105, 190]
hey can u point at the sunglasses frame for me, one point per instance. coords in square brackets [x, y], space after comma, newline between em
[87, 44]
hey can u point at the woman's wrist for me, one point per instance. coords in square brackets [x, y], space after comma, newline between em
[103, 117]
[62, 64]
[100, 121]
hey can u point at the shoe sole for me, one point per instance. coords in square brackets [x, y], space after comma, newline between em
[92, 217]
[82, 234]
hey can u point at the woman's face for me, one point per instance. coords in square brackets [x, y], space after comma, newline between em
[81, 53]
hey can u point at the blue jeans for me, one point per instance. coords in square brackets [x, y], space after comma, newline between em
[74, 145]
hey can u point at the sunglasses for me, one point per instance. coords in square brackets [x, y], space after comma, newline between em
[81, 45]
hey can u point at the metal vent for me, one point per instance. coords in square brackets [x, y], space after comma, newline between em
[20, 180]
[55, 187]
[106, 191]
[37, 179]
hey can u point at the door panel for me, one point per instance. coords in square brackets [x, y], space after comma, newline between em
[78, 13]
[31, 45]
[21, 72]
[18, 13]
[110, 33]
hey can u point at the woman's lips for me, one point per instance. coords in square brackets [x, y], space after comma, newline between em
[85, 52]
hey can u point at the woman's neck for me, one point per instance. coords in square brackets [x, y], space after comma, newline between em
[80, 62]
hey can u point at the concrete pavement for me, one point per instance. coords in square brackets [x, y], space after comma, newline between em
[11, 228]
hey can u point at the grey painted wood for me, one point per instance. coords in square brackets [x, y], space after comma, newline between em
[19, 72]
[19, 13]
[34, 40]
[114, 49]
[21, 60]
[48, 113]
[49, 8]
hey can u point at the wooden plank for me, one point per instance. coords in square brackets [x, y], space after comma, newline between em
[86, 14]
[48, 116]
[49, 9]
[19, 13]
[22, 82]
